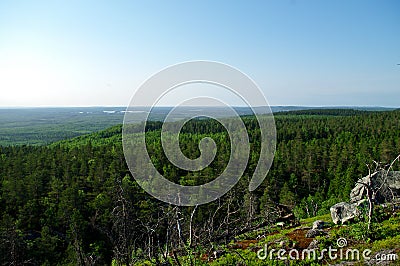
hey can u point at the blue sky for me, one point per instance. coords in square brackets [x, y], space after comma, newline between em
[96, 53]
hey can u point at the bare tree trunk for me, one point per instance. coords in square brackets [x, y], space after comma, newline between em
[190, 227]
[373, 191]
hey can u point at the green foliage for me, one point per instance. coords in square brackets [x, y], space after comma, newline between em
[286, 196]
[75, 200]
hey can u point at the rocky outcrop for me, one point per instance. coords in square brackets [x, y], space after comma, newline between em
[359, 192]
[393, 182]
[386, 186]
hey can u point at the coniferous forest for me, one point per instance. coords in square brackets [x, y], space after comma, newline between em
[74, 202]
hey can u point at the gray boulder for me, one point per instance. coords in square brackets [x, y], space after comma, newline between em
[319, 224]
[393, 181]
[343, 212]
[387, 185]
[359, 192]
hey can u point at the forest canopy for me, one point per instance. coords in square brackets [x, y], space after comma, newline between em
[75, 200]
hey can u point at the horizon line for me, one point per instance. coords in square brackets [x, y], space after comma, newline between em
[172, 106]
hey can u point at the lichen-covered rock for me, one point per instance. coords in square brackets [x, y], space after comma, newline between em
[315, 232]
[343, 212]
[319, 224]
[359, 192]
[387, 184]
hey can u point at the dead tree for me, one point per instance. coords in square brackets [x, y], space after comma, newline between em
[377, 185]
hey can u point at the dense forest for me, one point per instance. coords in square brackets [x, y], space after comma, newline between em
[75, 202]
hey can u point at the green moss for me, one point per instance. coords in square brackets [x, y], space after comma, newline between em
[309, 221]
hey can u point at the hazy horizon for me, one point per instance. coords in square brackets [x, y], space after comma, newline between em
[202, 106]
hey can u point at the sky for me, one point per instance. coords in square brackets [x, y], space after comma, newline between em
[98, 53]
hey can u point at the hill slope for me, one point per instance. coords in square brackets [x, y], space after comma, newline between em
[75, 201]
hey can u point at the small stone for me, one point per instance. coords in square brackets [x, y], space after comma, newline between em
[319, 224]
[315, 232]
